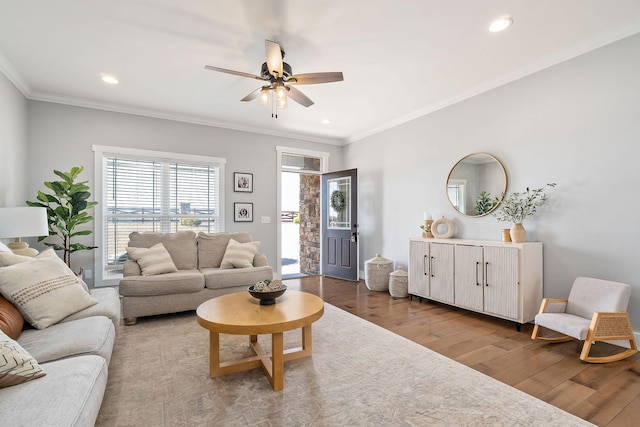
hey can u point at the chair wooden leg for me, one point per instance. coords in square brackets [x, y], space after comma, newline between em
[535, 335]
[609, 327]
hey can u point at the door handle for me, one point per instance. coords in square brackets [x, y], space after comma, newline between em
[354, 237]
[486, 274]
[477, 266]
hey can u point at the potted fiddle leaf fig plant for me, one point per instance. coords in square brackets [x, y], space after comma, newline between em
[67, 209]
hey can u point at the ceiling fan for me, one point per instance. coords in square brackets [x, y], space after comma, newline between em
[279, 75]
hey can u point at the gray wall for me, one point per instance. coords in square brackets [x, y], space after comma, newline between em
[13, 145]
[61, 136]
[577, 124]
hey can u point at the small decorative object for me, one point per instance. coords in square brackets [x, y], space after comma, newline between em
[426, 228]
[267, 291]
[243, 212]
[516, 207]
[338, 201]
[506, 236]
[442, 221]
[376, 273]
[243, 182]
[399, 283]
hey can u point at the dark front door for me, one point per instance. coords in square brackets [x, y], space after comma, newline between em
[340, 224]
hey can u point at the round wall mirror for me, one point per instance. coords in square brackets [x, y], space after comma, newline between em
[476, 184]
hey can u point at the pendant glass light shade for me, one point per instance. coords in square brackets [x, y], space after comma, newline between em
[265, 96]
[281, 96]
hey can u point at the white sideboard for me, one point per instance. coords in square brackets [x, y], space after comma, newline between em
[495, 278]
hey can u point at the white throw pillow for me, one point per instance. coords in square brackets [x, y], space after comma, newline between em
[17, 366]
[239, 255]
[7, 259]
[152, 261]
[45, 290]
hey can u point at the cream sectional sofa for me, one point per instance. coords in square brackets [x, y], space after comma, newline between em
[198, 279]
[75, 355]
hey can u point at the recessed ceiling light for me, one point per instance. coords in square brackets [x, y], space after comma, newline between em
[500, 24]
[325, 121]
[109, 79]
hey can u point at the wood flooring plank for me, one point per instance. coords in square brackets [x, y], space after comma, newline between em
[568, 395]
[628, 417]
[611, 398]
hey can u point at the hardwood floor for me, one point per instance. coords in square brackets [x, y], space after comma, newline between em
[604, 394]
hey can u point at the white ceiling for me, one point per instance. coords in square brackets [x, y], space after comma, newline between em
[401, 59]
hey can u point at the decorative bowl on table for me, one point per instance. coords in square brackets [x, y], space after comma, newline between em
[267, 291]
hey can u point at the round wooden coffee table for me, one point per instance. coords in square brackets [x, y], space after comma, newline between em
[241, 314]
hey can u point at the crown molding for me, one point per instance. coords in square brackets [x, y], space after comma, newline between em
[14, 76]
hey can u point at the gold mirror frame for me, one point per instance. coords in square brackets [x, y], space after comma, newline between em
[475, 184]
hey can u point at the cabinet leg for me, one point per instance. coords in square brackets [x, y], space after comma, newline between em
[518, 327]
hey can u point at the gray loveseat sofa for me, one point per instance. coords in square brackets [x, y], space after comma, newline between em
[75, 355]
[198, 279]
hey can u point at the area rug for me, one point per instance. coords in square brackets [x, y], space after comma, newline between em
[360, 375]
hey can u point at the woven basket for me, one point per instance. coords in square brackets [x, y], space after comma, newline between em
[376, 273]
[399, 283]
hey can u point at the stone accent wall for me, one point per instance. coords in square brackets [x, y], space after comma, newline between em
[309, 224]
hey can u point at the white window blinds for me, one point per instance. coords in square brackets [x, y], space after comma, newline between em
[155, 195]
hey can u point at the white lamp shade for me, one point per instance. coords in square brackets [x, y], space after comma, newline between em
[23, 222]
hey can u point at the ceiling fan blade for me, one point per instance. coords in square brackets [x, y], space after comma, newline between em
[299, 97]
[253, 95]
[315, 78]
[274, 57]
[235, 73]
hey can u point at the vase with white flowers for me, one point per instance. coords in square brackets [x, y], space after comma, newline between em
[516, 207]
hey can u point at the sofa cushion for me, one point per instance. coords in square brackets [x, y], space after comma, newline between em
[152, 261]
[69, 395]
[217, 278]
[11, 321]
[164, 284]
[44, 290]
[212, 247]
[108, 305]
[17, 366]
[181, 246]
[239, 255]
[91, 335]
[12, 259]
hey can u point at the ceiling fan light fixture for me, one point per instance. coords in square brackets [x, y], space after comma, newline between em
[281, 92]
[265, 96]
[500, 24]
[282, 103]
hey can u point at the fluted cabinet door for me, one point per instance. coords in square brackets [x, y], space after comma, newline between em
[502, 289]
[441, 281]
[469, 277]
[419, 268]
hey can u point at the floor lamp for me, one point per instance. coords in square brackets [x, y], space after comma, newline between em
[23, 222]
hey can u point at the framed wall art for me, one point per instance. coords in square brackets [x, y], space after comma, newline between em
[243, 212]
[243, 182]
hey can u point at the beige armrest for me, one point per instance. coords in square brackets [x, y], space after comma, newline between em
[131, 268]
[260, 260]
[553, 305]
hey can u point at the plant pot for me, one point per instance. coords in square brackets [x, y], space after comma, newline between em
[518, 233]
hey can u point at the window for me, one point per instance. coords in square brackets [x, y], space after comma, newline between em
[149, 191]
[456, 190]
